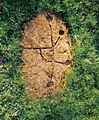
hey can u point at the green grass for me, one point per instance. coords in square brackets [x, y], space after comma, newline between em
[80, 100]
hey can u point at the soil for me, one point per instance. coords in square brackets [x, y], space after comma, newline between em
[46, 55]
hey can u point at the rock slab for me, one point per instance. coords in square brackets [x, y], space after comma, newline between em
[46, 55]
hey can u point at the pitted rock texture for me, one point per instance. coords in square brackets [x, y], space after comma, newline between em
[46, 55]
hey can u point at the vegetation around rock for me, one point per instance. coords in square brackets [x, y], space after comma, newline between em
[80, 100]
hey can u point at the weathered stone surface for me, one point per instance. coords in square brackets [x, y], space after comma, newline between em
[46, 55]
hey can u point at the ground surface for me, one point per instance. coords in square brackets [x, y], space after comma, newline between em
[46, 55]
[80, 99]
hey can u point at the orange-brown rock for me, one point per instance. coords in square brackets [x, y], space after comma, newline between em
[46, 55]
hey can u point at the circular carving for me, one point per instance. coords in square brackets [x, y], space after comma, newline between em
[61, 32]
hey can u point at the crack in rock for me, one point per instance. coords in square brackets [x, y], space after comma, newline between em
[46, 55]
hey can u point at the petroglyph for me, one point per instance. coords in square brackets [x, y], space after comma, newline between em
[46, 55]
